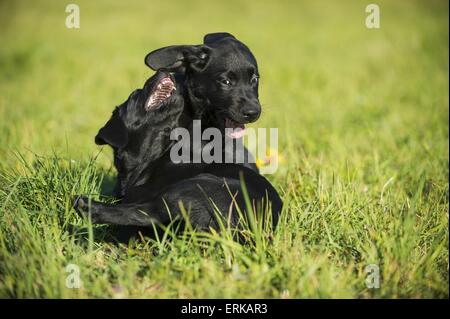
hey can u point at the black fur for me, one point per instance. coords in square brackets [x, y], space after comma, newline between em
[208, 67]
[150, 184]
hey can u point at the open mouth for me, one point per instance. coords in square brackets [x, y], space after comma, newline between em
[237, 129]
[163, 90]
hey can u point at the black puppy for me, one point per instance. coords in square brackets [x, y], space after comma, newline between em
[221, 82]
[139, 129]
[157, 191]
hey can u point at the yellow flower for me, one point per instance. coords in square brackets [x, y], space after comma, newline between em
[271, 155]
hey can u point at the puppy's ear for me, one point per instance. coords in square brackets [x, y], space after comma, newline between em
[114, 133]
[179, 57]
[214, 37]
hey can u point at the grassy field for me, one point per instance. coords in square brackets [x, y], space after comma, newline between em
[363, 129]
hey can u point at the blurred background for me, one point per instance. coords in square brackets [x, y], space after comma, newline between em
[326, 79]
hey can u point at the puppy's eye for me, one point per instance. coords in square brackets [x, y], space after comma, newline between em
[225, 82]
[254, 79]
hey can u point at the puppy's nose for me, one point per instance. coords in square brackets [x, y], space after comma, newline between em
[251, 113]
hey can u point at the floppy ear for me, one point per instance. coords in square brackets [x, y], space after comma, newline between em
[179, 57]
[214, 37]
[114, 133]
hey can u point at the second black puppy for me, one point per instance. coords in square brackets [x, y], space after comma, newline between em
[155, 191]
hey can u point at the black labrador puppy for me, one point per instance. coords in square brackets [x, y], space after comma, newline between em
[156, 190]
[221, 87]
[139, 129]
[219, 82]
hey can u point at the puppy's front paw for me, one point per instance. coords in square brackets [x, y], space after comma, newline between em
[81, 205]
[88, 208]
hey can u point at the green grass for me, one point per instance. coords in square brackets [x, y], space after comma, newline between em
[363, 127]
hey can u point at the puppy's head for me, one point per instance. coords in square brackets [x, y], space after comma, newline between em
[221, 79]
[145, 117]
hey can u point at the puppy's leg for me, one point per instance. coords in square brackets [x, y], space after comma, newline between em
[119, 214]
